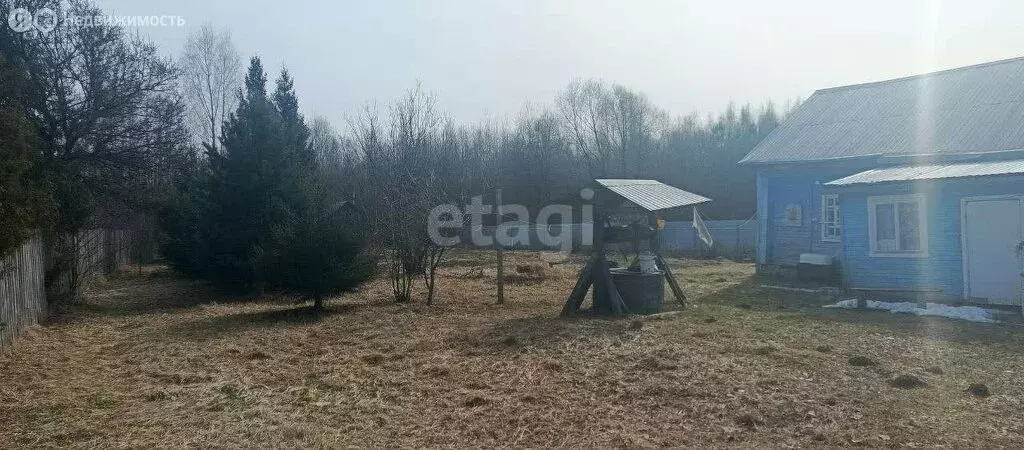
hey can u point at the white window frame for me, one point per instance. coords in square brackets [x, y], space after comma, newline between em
[825, 226]
[922, 229]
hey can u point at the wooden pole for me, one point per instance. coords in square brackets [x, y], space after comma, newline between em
[672, 283]
[600, 294]
[655, 242]
[500, 249]
[579, 291]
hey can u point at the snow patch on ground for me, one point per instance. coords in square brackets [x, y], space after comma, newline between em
[787, 288]
[971, 313]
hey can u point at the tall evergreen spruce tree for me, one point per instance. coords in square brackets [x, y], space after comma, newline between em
[246, 205]
[326, 238]
[261, 216]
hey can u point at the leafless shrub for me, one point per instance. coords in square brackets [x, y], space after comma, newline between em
[406, 174]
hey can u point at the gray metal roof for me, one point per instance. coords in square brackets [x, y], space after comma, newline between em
[652, 195]
[974, 109]
[932, 172]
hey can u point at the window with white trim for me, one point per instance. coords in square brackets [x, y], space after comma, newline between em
[831, 227]
[897, 226]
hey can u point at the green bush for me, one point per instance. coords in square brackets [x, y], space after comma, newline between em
[25, 196]
[184, 222]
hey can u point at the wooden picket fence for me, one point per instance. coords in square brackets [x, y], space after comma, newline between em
[23, 284]
[22, 290]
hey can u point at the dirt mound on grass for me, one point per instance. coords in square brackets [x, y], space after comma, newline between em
[653, 363]
[908, 382]
[474, 401]
[978, 390]
[861, 361]
[527, 273]
[373, 359]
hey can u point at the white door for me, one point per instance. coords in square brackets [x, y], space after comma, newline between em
[992, 229]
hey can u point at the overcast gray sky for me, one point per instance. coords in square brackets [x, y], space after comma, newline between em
[486, 59]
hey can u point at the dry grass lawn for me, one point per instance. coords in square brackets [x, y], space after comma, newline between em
[154, 361]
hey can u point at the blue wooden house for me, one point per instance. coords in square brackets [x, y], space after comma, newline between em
[910, 186]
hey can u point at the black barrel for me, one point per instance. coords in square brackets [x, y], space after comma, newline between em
[644, 293]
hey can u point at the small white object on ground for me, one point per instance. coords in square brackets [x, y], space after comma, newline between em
[970, 313]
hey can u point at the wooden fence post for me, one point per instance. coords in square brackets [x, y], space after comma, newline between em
[501, 249]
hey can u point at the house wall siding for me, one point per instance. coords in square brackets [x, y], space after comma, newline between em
[781, 243]
[942, 268]
[762, 220]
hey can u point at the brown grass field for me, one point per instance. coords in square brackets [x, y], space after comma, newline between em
[155, 361]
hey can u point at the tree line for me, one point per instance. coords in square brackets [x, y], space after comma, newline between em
[99, 129]
[545, 155]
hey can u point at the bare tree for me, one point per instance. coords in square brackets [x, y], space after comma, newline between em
[211, 69]
[325, 142]
[637, 125]
[338, 159]
[474, 159]
[536, 159]
[614, 129]
[109, 123]
[408, 166]
[383, 203]
[586, 109]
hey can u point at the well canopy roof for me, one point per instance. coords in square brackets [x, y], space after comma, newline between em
[652, 195]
